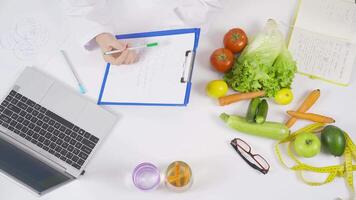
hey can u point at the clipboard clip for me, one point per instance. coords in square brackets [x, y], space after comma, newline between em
[188, 66]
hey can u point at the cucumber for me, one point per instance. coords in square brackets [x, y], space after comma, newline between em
[252, 109]
[273, 130]
[262, 111]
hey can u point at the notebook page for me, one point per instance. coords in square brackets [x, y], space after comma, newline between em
[156, 77]
[323, 56]
[331, 17]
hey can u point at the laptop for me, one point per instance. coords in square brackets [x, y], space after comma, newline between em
[48, 131]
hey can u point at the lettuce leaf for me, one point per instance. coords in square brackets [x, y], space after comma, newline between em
[265, 64]
[285, 68]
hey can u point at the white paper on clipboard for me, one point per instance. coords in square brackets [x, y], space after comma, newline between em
[159, 77]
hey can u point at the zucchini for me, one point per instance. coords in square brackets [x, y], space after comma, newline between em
[273, 130]
[252, 109]
[262, 111]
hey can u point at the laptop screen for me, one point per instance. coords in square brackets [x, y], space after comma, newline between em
[28, 169]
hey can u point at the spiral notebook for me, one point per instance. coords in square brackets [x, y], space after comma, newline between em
[161, 77]
[323, 40]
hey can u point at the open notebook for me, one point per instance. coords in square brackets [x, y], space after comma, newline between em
[161, 77]
[323, 40]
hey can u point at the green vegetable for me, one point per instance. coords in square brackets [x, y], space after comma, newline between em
[273, 130]
[252, 109]
[333, 138]
[262, 111]
[285, 68]
[265, 64]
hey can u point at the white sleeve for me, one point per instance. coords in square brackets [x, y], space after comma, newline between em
[87, 19]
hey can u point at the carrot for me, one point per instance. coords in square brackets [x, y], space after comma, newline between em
[226, 100]
[308, 102]
[182, 178]
[186, 176]
[172, 179]
[177, 174]
[311, 116]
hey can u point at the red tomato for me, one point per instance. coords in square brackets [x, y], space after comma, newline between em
[222, 59]
[235, 40]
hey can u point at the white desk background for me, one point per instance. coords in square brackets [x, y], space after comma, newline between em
[193, 134]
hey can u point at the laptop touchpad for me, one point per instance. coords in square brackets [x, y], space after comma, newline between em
[64, 102]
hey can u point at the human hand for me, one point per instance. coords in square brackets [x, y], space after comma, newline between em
[108, 42]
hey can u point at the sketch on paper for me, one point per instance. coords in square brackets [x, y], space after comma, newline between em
[25, 39]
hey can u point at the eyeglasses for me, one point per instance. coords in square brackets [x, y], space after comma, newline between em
[256, 161]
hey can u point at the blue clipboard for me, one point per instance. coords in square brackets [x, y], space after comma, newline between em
[195, 31]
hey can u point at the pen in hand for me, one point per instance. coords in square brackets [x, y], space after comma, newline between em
[148, 45]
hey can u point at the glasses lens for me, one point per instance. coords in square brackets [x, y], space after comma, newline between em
[243, 146]
[261, 162]
[247, 156]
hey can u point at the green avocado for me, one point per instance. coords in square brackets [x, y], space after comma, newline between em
[333, 138]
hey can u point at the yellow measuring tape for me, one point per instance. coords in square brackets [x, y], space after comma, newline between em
[343, 170]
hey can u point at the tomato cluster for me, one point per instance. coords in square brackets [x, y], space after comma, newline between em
[222, 59]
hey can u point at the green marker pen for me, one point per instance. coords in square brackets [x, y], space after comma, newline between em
[148, 45]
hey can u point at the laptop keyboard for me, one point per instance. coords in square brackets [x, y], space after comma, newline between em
[46, 129]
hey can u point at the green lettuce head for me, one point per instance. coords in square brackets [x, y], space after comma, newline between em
[265, 64]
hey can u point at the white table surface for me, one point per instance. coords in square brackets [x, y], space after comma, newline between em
[194, 134]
